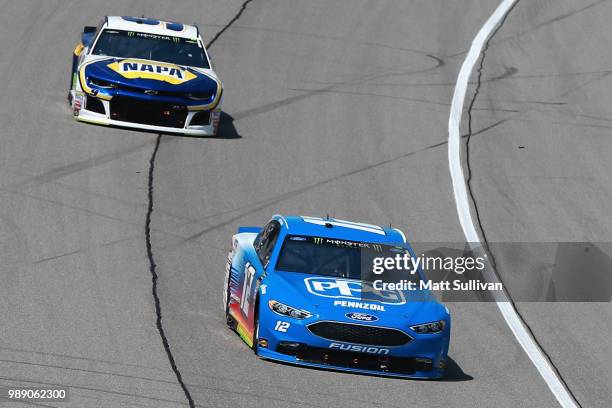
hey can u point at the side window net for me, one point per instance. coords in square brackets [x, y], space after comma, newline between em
[265, 241]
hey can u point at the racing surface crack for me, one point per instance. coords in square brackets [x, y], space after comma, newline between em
[229, 23]
[152, 265]
[154, 277]
[485, 241]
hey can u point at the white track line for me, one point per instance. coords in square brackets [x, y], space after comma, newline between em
[504, 304]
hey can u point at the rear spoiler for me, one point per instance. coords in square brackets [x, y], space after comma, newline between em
[249, 229]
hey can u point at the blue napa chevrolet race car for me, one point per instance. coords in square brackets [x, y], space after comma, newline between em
[146, 74]
[295, 291]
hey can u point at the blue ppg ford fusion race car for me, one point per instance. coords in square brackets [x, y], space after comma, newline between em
[146, 74]
[295, 292]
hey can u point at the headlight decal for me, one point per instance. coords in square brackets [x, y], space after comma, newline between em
[288, 311]
[429, 328]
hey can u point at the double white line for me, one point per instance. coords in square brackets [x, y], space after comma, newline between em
[506, 307]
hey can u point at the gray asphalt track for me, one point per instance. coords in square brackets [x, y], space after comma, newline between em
[543, 174]
[332, 107]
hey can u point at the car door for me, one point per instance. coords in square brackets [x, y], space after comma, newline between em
[255, 269]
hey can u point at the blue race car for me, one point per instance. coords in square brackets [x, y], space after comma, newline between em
[146, 74]
[295, 291]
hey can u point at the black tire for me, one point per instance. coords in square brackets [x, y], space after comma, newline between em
[256, 327]
[229, 320]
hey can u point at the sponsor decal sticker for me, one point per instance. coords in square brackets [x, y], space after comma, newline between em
[362, 317]
[359, 349]
[346, 244]
[294, 238]
[351, 289]
[79, 99]
[132, 69]
[282, 326]
[360, 305]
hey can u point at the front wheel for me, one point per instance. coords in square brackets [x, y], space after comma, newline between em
[256, 328]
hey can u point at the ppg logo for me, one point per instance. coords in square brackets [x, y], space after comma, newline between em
[333, 288]
[349, 289]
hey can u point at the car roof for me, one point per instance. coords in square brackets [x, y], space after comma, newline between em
[152, 26]
[340, 229]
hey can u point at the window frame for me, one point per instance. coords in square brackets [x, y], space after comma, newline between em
[265, 249]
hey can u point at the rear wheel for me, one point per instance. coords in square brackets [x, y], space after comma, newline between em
[229, 320]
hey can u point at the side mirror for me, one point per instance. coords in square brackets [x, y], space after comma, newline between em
[88, 35]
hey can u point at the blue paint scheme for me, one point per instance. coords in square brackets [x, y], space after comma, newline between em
[151, 21]
[290, 288]
[201, 85]
[249, 229]
[175, 26]
[73, 70]
[87, 39]
[141, 20]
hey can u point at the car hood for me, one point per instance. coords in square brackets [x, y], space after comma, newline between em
[152, 75]
[332, 298]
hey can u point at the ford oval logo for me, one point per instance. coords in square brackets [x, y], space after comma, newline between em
[362, 317]
[150, 92]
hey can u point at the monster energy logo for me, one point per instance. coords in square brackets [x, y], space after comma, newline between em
[154, 36]
[347, 244]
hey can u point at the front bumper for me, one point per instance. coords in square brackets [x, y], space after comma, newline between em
[424, 357]
[410, 370]
[135, 114]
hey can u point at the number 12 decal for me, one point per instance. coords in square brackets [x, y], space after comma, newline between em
[245, 299]
[282, 326]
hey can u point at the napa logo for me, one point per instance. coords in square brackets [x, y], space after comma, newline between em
[133, 69]
[352, 289]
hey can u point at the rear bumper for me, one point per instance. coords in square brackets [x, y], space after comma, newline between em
[145, 118]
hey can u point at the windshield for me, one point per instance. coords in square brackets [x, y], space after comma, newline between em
[163, 48]
[334, 257]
